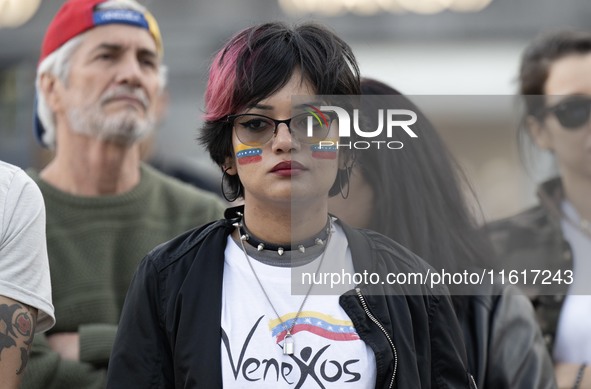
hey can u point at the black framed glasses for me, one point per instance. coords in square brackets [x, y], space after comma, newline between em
[572, 113]
[256, 130]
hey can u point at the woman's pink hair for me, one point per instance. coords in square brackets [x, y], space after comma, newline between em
[219, 95]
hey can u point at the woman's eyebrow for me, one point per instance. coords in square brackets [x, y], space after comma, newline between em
[261, 106]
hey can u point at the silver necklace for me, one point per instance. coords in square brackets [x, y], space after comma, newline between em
[288, 341]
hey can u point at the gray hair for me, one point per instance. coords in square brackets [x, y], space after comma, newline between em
[57, 64]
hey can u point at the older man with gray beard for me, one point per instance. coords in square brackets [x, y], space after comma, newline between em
[99, 79]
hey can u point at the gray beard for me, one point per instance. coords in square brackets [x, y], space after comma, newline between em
[123, 128]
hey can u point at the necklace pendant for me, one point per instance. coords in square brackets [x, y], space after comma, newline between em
[288, 345]
[280, 250]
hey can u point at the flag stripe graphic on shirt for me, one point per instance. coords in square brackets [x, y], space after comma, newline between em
[316, 323]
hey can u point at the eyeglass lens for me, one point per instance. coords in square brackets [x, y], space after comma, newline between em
[254, 130]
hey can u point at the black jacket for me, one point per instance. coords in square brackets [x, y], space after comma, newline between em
[504, 343]
[170, 330]
[533, 240]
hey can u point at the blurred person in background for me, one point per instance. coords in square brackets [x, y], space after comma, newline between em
[414, 196]
[555, 235]
[98, 82]
[214, 307]
[25, 285]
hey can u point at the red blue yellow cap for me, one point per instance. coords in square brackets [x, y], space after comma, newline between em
[78, 16]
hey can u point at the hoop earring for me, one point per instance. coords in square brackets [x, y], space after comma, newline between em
[346, 173]
[226, 176]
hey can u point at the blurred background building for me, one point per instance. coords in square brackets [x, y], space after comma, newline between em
[459, 57]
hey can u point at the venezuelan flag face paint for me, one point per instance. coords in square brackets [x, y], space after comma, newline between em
[323, 151]
[246, 155]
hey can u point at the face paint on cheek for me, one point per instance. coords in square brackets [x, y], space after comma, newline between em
[247, 154]
[326, 149]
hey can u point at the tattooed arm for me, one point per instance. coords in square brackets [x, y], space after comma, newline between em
[17, 327]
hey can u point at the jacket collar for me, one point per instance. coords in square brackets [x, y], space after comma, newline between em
[551, 195]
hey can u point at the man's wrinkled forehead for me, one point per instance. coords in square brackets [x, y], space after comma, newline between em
[117, 39]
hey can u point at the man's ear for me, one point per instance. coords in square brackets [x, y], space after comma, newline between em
[229, 166]
[49, 85]
[539, 133]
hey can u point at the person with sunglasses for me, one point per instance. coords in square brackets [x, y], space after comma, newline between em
[555, 235]
[222, 305]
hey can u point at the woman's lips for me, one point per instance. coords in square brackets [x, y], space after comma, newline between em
[288, 168]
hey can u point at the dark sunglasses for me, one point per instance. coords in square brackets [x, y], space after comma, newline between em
[572, 113]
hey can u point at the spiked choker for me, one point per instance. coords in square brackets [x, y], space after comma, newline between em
[260, 245]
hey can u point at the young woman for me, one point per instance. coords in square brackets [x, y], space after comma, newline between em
[419, 203]
[555, 235]
[214, 307]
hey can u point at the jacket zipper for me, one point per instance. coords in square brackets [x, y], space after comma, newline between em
[473, 381]
[381, 327]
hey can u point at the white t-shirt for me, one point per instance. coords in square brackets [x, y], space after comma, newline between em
[573, 335]
[328, 351]
[24, 267]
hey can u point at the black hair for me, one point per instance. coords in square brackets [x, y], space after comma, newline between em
[258, 62]
[541, 54]
[418, 196]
